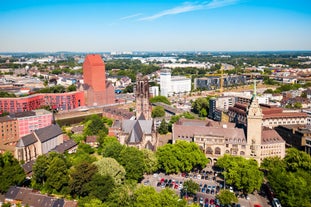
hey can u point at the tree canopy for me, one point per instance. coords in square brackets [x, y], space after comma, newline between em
[162, 99]
[157, 111]
[242, 173]
[290, 178]
[109, 166]
[226, 197]
[11, 173]
[180, 157]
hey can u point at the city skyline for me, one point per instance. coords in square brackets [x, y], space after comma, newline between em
[216, 25]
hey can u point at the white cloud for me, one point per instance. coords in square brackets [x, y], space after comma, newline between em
[131, 16]
[188, 7]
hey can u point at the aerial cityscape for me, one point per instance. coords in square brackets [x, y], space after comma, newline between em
[180, 103]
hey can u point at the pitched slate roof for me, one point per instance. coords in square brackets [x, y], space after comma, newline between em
[28, 166]
[34, 198]
[191, 131]
[270, 136]
[65, 146]
[136, 129]
[26, 140]
[136, 135]
[49, 132]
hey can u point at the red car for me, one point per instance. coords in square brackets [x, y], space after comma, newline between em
[206, 200]
[257, 205]
[212, 201]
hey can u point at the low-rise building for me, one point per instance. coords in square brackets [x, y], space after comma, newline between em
[37, 143]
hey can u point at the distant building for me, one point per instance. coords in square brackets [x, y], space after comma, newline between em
[59, 101]
[297, 136]
[29, 121]
[213, 82]
[170, 85]
[217, 139]
[8, 134]
[98, 91]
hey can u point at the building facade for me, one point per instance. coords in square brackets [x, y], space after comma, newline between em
[213, 82]
[32, 120]
[58, 101]
[170, 85]
[97, 90]
[37, 143]
[223, 138]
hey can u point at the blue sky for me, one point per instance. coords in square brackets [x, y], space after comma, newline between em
[154, 25]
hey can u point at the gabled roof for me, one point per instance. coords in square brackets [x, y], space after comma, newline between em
[136, 129]
[12, 192]
[142, 117]
[49, 132]
[26, 140]
[67, 145]
[28, 166]
[136, 134]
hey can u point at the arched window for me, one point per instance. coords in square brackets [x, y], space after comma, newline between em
[242, 153]
[209, 151]
[217, 151]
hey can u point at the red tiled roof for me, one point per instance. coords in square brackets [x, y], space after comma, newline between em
[285, 115]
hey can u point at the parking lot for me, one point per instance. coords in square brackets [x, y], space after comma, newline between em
[209, 183]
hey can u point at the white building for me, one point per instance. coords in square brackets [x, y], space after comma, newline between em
[154, 91]
[170, 85]
[165, 82]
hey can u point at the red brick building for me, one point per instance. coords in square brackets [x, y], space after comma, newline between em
[60, 101]
[97, 90]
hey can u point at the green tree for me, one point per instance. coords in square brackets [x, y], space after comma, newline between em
[72, 88]
[121, 196]
[100, 186]
[95, 125]
[111, 147]
[109, 166]
[163, 128]
[11, 173]
[199, 104]
[296, 159]
[242, 173]
[157, 111]
[226, 197]
[57, 174]
[80, 175]
[132, 159]
[150, 161]
[168, 197]
[180, 157]
[146, 196]
[191, 186]
[161, 99]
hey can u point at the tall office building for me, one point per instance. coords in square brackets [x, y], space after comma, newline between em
[170, 85]
[97, 90]
[165, 82]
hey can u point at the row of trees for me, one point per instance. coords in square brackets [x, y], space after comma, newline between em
[290, 178]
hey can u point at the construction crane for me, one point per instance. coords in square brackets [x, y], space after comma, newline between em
[221, 87]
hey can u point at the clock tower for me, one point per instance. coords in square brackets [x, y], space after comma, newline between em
[254, 127]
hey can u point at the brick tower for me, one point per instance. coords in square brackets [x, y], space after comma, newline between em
[97, 90]
[143, 107]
